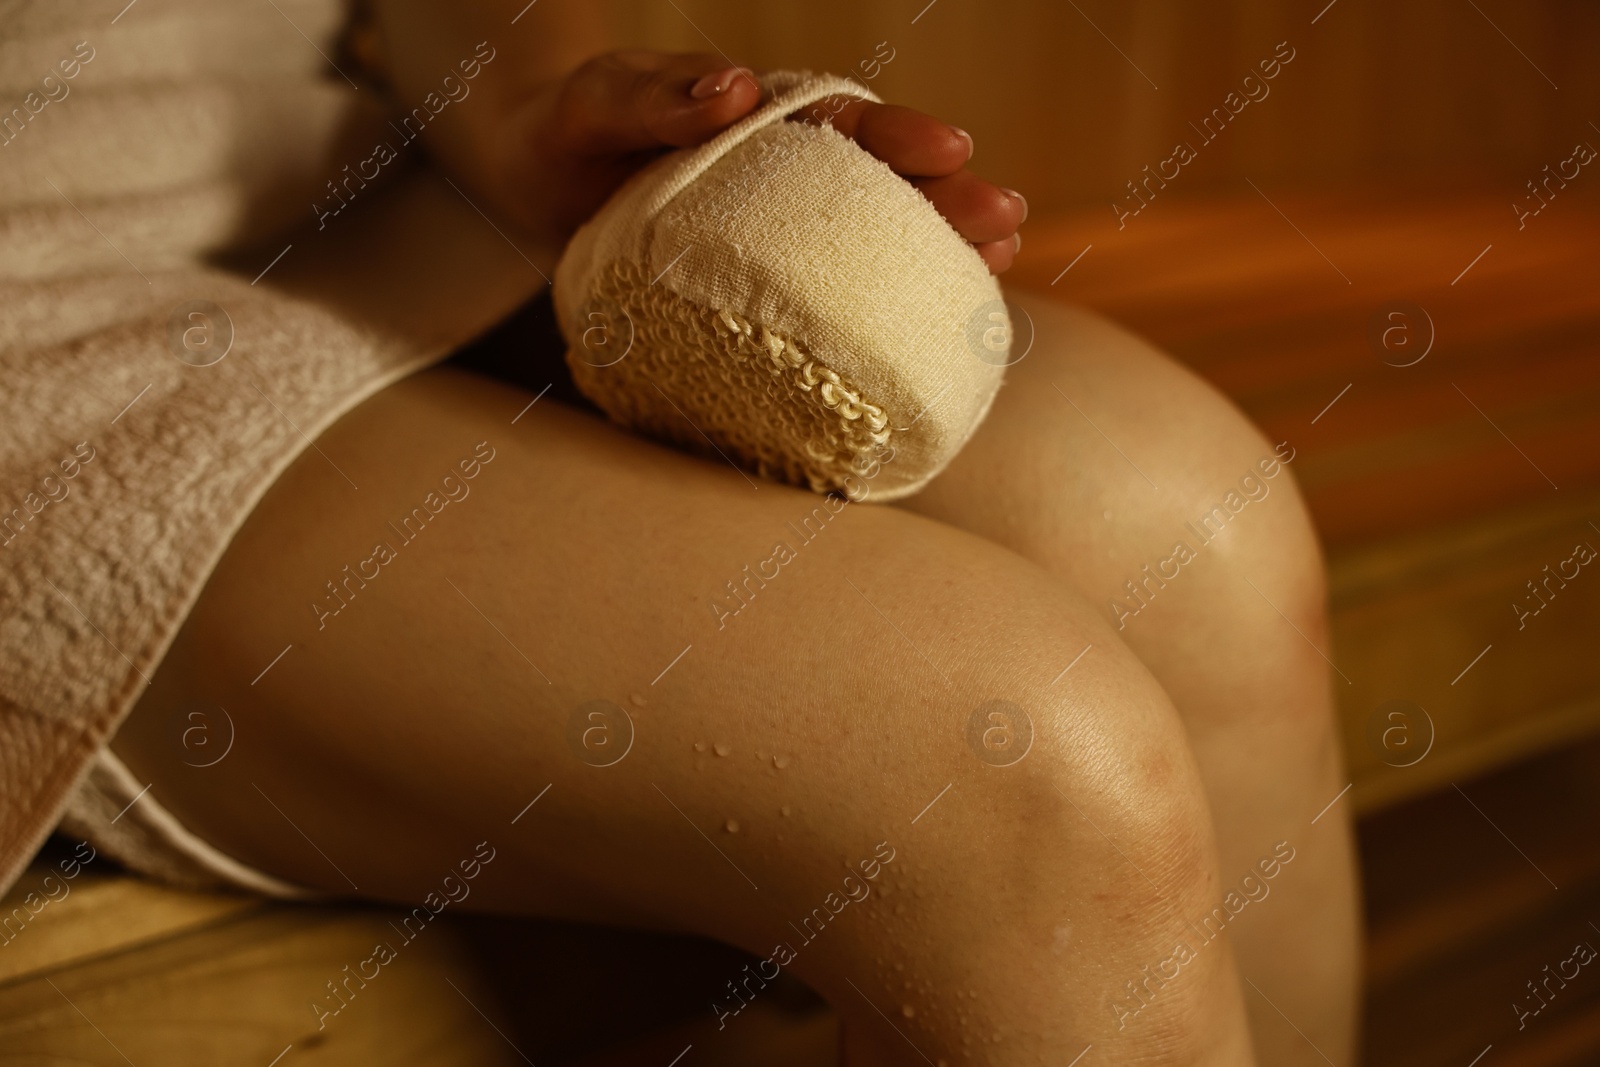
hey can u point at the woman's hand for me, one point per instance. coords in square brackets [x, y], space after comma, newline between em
[570, 145]
[933, 156]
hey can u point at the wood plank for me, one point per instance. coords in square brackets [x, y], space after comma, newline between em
[1227, 286]
[1408, 618]
[242, 992]
[49, 921]
[1401, 89]
[1460, 919]
[241, 988]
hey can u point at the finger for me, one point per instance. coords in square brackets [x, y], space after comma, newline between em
[912, 143]
[626, 102]
[979, 210]
[999, 255]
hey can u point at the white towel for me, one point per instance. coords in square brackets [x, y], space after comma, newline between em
[125, 466]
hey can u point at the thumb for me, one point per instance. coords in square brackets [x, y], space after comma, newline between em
[626, 102]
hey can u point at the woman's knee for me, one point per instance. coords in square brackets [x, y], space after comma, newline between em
[1113, 466]
[1057, 841]
[1225, 488]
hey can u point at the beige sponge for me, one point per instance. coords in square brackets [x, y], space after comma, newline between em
[782, 298]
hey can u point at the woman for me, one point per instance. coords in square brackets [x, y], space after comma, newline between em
[1002, 909]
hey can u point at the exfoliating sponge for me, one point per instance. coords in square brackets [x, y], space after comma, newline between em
[781, 298]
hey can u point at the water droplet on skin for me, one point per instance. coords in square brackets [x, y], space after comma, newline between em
[760, 755]
[722, 749]
[786, 810]
[699, 746]
[780, 762]
[908, 1011]
[732, 826]
[638, 700]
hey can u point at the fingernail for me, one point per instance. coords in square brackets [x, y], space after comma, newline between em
[967, 137]
[1024, 201]
[717, 82]
[1016, 243]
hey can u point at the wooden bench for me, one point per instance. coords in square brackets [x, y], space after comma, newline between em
[118, 970]
[1440, 488]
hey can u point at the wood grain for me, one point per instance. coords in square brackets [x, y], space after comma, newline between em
[1068, 101]
[99, 911]
[241, 992]
[1463, 914]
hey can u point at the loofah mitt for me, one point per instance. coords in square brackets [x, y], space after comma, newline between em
[780, 297]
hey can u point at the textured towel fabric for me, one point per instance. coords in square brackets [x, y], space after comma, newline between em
[125, 465]
[784, 296]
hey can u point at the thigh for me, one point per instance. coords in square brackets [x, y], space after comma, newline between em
[661, 693]
[425, 669]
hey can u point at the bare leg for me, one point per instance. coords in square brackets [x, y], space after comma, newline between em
[810, 749]
[1233, 637]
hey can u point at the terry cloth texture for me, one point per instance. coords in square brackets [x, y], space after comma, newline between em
[185, 129]
[783, 295]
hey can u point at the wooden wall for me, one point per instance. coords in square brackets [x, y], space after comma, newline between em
[1412, 91]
